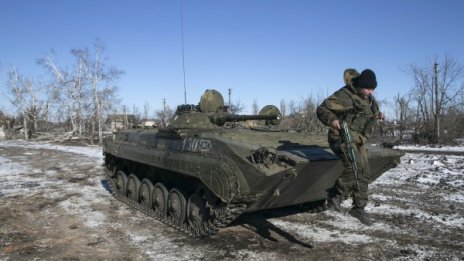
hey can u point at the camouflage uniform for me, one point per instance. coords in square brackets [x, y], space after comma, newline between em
[359, 114]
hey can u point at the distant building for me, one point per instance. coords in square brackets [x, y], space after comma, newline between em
[148, 124]
[121, 121]
[6, 123]
[2, 133]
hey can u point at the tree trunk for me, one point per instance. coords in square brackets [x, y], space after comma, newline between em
[26, 130]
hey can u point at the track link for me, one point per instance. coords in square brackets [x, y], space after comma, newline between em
[221, 216]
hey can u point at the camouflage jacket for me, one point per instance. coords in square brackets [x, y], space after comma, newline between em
[346, 104]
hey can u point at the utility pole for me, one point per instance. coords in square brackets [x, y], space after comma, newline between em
[164, 105]
[163, 120]
[437, 108]
[230, 105]
[125, 119]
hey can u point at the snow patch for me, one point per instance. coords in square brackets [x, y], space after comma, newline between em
[430, 148]
[84, 205]
[318, 234]
[90, 151]
[450, 220]
[158, 247]
[18, 179]
[439, 177]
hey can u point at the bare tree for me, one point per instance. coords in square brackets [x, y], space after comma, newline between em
[88, 91]
[18, 89]
[25, 99]
[403, 113]
[308, 113]
[283, 108]
[255, 107]
[146, 110]
[293, 107]
[302, 117]
[164, 115]
[102, 81]
[68, 89]
[237, 107]
[438, 86]
[136, 113]
[44, 108]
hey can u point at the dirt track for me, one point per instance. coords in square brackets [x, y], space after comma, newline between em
[55, 205]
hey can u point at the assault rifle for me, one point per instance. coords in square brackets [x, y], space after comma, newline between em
[347, 139]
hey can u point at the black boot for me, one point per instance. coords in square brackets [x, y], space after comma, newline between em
[361, 215]
[334, 202]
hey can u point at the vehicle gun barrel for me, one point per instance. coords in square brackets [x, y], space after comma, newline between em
[222, 119]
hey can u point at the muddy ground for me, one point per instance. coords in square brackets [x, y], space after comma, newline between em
[55, 205]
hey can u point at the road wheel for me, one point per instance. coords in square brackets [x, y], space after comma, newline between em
[133, 186]
[197, 213]
[145, 193]
[177, 206]
[121, 182]
[160, 199]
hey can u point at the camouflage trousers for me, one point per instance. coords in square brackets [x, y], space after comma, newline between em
[346, 183]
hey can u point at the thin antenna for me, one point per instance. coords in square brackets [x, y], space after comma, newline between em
[183, 56]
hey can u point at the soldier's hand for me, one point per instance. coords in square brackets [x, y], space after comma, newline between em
[335, 124]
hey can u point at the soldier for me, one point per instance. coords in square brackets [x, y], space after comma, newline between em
[354, 104]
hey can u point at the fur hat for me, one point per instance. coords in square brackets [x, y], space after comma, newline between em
[366, 79]
[349, 74]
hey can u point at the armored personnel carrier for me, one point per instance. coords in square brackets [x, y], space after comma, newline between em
[206, 168]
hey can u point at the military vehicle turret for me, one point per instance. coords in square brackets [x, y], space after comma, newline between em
[206, 168]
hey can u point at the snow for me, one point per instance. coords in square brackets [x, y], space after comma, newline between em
[435, 176]
[18, 179]
[82, 206]
[428, 172]
[430, 148]
[396, 193]
[94, 152]
[317, 234]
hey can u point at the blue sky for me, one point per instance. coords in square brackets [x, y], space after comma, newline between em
[263, 50]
